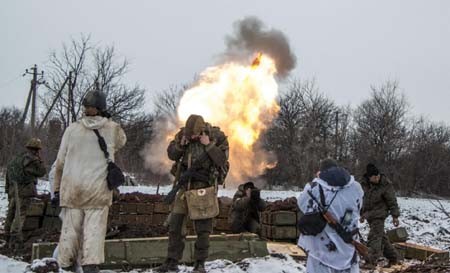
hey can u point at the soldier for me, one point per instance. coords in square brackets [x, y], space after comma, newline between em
[206, 147]
[247, 204]
[21, 179]
[80, 185]
[337, 192]
[379, 202]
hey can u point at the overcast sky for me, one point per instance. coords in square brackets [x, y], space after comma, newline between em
[345, 45]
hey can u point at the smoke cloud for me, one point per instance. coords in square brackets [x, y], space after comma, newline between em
[251, 35]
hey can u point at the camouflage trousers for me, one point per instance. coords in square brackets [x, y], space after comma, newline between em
[246, 225]
[378, 242]
[177, 231]
[15, 217]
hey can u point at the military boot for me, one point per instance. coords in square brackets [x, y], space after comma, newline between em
[391, 263]
[199, 267]
[90, 268]
[170, 265]
[15, 242]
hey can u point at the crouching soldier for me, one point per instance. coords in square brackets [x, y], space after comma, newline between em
[247, 204]
[201, 152]
[379, 203]
[21, 179]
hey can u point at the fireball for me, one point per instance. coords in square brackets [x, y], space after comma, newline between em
[241, 100]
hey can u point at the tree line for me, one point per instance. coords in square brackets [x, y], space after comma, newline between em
[413, 152]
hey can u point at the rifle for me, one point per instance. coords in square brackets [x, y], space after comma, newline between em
[347, 236]
[183, 180]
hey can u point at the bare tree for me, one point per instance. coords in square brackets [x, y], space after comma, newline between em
[381, 127]
[302, 134]
[90, 65]
[12, 134]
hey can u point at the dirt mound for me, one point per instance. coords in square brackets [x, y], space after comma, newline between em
[289, 204]
[139, 197]
[127, 231]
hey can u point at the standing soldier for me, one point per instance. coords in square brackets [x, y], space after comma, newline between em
[247, 204]
[202, 152]
[80, 185]
[379, 202]
[21, 180]
[330, 248]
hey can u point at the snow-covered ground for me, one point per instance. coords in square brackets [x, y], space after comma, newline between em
[425, 224]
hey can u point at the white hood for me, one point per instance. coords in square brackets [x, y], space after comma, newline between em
[94, 122]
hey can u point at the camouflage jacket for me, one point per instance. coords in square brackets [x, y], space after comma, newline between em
[244, 208]
[379, 199]
[24, 170]
[217, 155]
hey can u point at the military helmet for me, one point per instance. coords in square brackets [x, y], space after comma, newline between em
[34, 143]
[195, 125]
[95, 99]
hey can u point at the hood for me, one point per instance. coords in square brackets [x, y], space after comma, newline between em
[335, 176]
[241, 188]
[95, 122]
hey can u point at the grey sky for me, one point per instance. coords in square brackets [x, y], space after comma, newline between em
[345, 45]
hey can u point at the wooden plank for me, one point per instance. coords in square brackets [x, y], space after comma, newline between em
[286, 248]
[420, 252]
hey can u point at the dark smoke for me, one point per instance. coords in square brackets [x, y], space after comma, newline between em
[251, 36]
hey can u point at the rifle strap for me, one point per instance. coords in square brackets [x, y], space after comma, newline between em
[102, 144]
[322, 202]
[189, 165]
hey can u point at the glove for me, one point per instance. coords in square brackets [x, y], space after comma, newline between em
[55, 200]
[255, 195]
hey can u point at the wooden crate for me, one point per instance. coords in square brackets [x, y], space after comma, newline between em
[279, 232]
[420, 252]
[36, 208]
[279, 218]
[128, 208]
[397, 235]
[51, 223]
[221, 224]
[160, 207]
[31, 223]
[145, 208]
[158, 219]
[150, 251]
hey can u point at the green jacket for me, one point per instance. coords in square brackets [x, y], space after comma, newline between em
[217, 155]
[243, 208]
[379, 199]
[24, 170]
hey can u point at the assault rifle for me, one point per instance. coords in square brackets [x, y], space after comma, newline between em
[183, 180]
[347, 236]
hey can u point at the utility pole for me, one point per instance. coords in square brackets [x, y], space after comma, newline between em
[336, 136]
[69, 99]
[32, 96]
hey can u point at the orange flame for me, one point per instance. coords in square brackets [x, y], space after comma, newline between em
[241, 100]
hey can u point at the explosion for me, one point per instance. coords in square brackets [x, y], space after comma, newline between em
[239, 96]
[241, 100]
